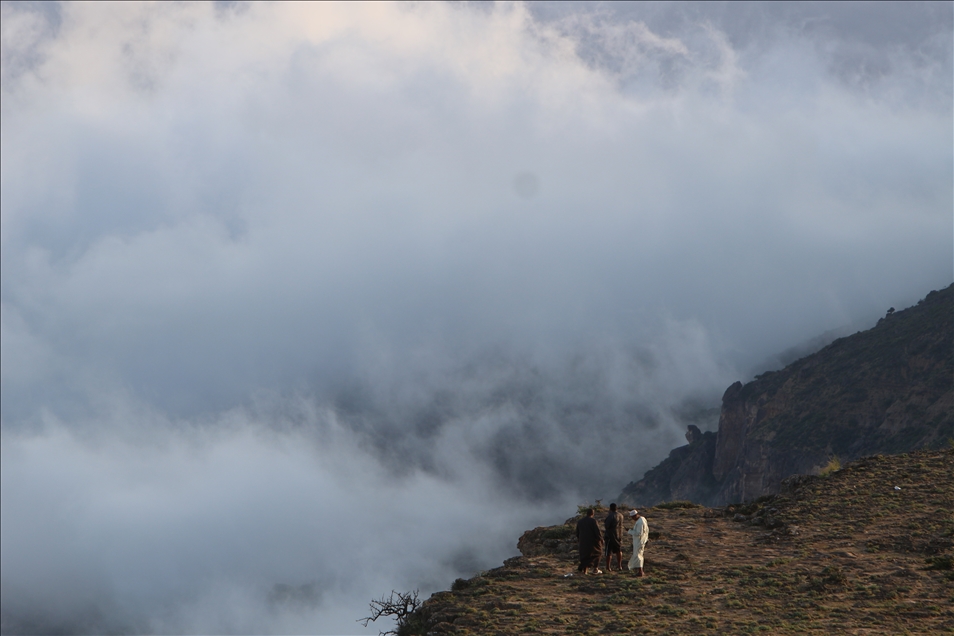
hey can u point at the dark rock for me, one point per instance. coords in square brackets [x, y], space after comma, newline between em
[685, 474]
[693, 433]
[886, 390]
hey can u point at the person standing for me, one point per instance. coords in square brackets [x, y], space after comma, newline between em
[591, 543]
[613, 526]
[640, 533]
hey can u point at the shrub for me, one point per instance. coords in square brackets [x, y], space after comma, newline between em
[831, 576]
[401, 606]
[597, 508]
[943, 562]
[834, 464]
[559, 533]
[675, 505]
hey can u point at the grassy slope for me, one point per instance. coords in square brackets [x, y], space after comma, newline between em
[846, 553]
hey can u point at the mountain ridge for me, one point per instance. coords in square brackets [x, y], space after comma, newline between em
[889, 389]
[863, 549]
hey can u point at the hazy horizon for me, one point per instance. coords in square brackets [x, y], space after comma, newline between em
[303, 303]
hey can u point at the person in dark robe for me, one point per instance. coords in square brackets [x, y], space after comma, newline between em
[613, 525]
[591, 543]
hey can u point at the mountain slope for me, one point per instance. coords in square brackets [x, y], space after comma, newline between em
[886, 390]
[866, 549]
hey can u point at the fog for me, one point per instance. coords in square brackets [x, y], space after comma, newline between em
[305, 303]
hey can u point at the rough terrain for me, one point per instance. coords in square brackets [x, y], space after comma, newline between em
[862, 550]
[889, 389]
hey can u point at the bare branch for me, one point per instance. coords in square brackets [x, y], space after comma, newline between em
[399, 605]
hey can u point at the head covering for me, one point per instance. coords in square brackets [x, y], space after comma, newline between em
[633, 513]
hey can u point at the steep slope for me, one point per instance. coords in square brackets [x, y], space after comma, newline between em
[886, 390]
[866, 549]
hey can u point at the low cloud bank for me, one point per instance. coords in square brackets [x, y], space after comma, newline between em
[292, 512]
[229, 529]
[289, 513]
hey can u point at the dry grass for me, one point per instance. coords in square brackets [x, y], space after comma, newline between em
[848, 554]
[833, 465]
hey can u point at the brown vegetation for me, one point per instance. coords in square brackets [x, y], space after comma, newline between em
[866, 549]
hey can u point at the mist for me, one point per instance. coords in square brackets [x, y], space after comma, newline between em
[300, 304]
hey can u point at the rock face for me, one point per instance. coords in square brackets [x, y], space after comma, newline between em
[886, 390]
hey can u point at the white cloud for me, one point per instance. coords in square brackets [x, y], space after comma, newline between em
[244, 243]
[206, 523]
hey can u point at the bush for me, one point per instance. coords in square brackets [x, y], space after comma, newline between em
[831, 576]
[674, 505]
[834, 464]
[559, 533]
[401, 607]
[597, 508]
[943, 562]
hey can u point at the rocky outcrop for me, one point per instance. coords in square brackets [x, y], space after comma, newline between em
[886, 390]
[685, 475]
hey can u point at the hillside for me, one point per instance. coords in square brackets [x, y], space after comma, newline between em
[866, 549]
[889, 389]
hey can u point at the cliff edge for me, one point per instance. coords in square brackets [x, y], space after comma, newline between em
[865, 549]
[889, 389]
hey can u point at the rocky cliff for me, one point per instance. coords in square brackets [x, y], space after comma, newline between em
[886, 390]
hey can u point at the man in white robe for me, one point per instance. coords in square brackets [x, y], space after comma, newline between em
[640, 533]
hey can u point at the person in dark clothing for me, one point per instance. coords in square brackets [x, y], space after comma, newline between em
[591, 543]
[614, 538]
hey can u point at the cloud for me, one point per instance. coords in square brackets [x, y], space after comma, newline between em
[221, 526]
[271, 272]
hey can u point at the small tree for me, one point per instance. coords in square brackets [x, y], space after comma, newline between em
[597, 507]
[399, 605]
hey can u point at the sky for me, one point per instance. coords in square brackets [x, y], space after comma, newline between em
[303, 303]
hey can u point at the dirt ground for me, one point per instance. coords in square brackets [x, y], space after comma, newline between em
[864, 550]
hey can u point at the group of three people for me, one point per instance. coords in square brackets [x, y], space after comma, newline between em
[590, 537]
